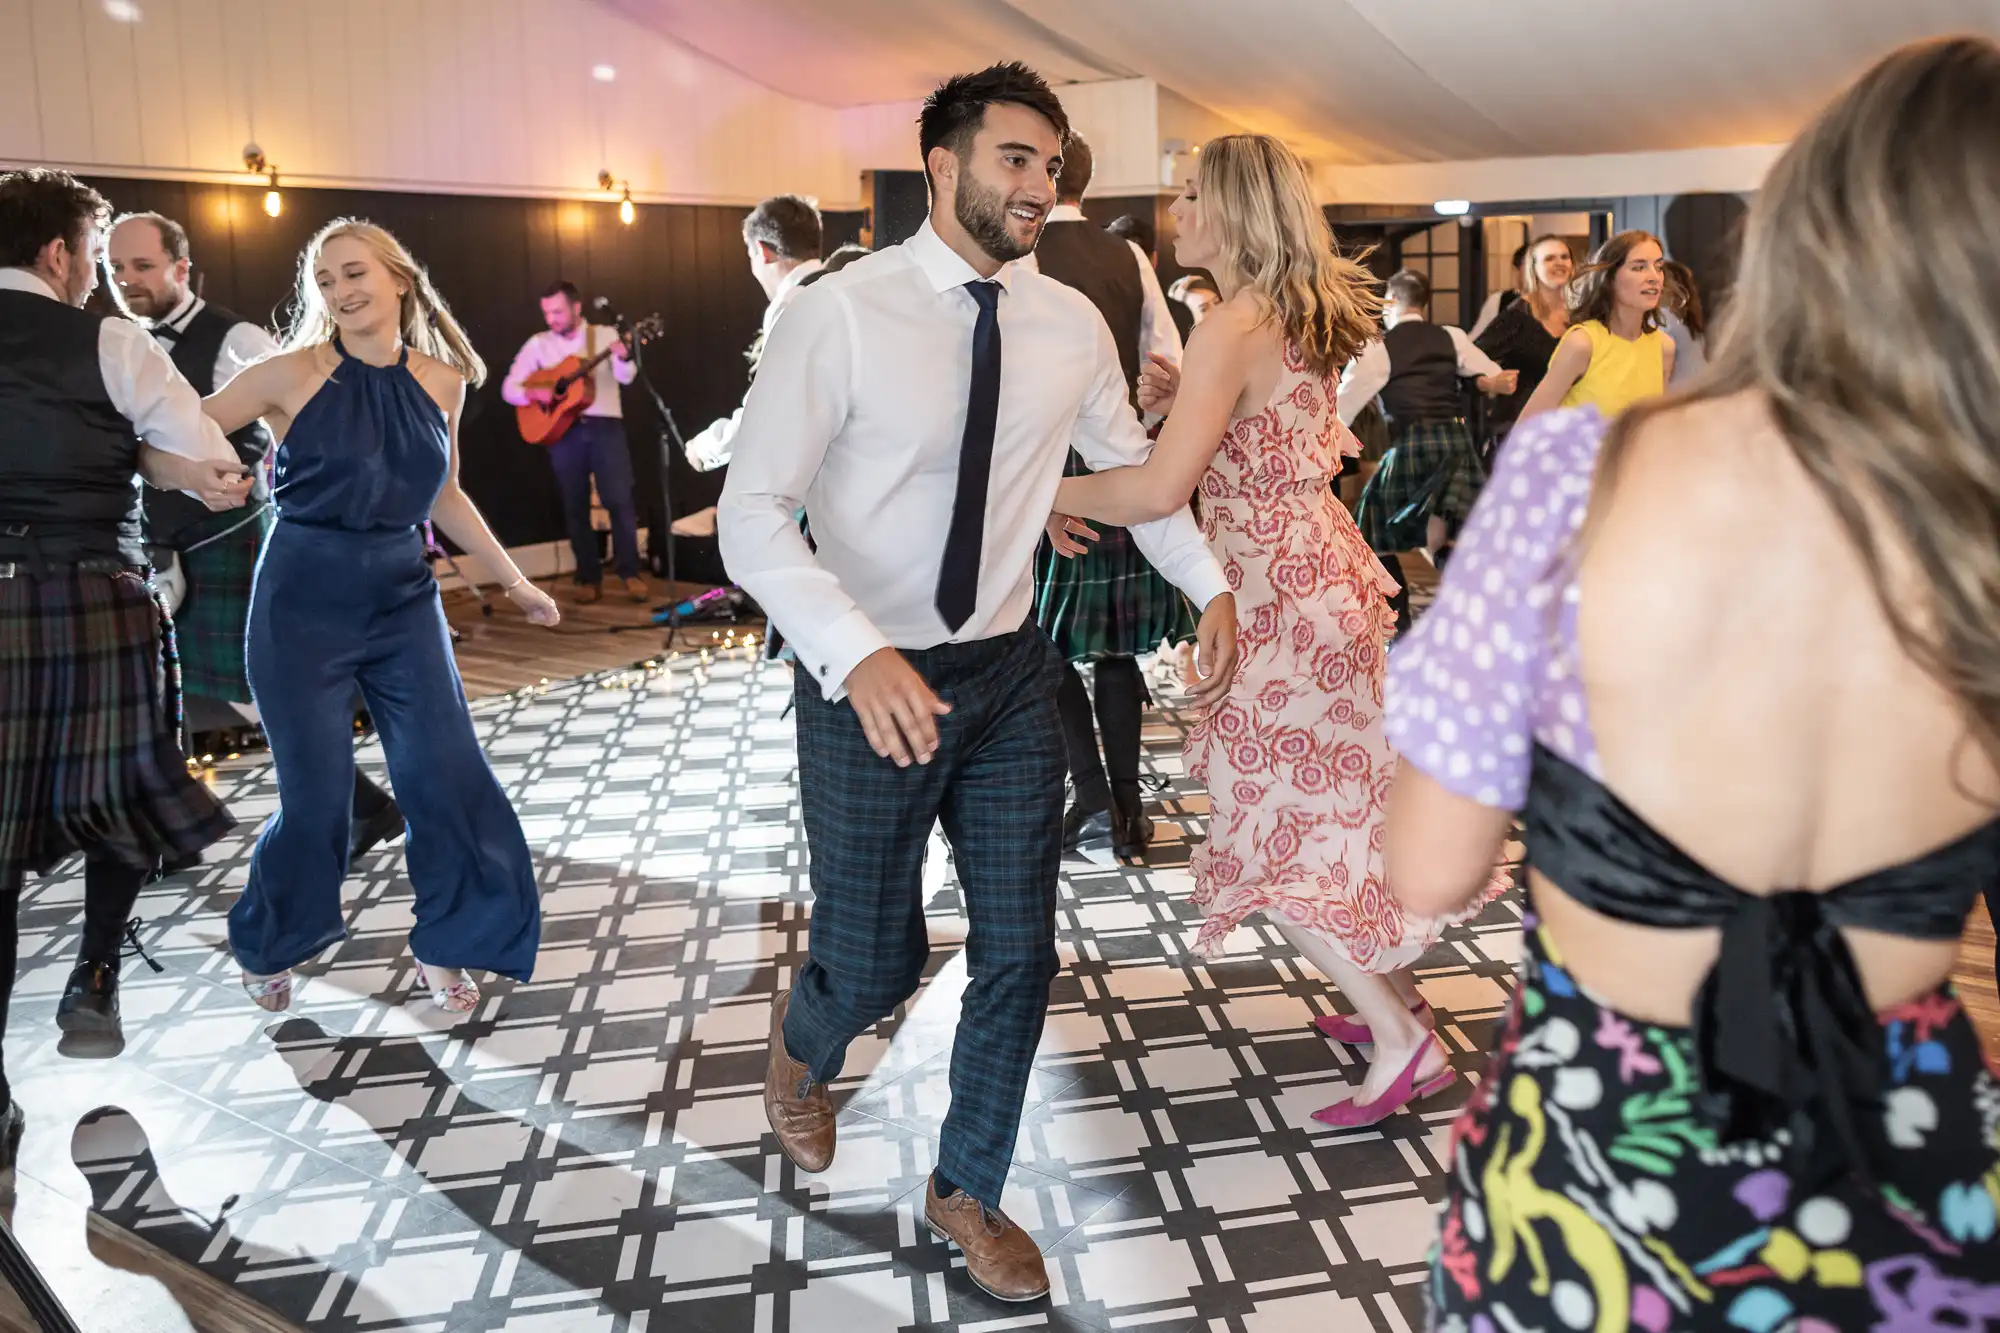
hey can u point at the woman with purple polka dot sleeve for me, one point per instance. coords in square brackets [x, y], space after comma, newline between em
[1733, 662]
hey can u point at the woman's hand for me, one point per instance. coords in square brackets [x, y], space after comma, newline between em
[222, 485]
[540, 607]
[1159, 384]
[1063, 534]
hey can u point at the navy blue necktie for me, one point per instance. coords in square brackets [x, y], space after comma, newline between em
[958, 579]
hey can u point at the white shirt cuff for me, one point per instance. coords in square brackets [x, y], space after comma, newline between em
[838, 649]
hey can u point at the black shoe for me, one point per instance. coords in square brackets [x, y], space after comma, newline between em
[1131, 830]
[12, 1123]
[1081, 825]
[89, 1005]
[382, 826]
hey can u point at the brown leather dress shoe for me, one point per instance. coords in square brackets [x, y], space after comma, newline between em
[1000, 1258]
[586, 593]
[800, 1110]
[637, 589]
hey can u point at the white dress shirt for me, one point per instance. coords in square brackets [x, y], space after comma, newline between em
[143, 384]
[1367, 374]
[713, 447]
[1156, 318]
[242, 347]
[858, 414]
[549, 348]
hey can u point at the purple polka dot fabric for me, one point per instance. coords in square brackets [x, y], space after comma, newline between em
[1491, 667]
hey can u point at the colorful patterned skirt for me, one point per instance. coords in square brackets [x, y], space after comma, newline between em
[208, 625]
[1590, 1189]
[1109, 602]
[1430, 471]
[90, 752]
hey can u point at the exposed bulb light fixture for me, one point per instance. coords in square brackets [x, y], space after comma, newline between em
[254, 160]
[626, 212]
[274, 202]
[1453, 208]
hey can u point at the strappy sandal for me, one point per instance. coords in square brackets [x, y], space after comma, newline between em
[273, 994]
[454, 997]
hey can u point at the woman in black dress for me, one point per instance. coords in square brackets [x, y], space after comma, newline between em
[1523, 336]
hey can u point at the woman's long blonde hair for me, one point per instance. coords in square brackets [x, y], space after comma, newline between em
[1868, 314]
[1257, 201]
[427, 323]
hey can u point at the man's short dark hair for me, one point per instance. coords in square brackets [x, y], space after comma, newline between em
[564, 287]
[1130, 227]
[1410, 289]
[788, 223]
[40, 205]
[1074, 178]
[173, 236]
[953, 114]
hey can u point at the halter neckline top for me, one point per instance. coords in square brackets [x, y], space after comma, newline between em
[368, 452]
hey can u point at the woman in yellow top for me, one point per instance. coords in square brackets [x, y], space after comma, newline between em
[1614, 353]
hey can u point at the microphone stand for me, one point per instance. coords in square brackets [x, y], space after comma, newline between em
[670, 440]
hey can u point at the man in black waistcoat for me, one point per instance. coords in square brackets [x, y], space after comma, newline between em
[1430, 474]
[1107, 606]
[90, 758]
[211, 558]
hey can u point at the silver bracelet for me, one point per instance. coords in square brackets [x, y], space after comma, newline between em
[515, 584]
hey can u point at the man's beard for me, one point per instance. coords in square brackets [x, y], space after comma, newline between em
[982, 211]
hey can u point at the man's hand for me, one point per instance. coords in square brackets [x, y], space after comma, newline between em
[897, 709]
[1505, 382]
[543, 395]
[1064, 532]
[1159, 382]
[1215, 656]
[222, 485]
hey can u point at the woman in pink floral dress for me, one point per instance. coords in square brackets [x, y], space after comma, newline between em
[1295, 758]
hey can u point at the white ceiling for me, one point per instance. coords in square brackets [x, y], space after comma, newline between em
[1357, 81]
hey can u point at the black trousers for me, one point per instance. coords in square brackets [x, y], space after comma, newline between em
[1121, 704]
[995, 784]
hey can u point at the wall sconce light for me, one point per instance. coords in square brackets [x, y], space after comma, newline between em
[627, 210]
[254, 160]
[1453, 208]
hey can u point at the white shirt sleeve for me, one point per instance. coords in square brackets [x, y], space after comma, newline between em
[1365, 376]
[526, 362]
[713, 447]
[1108, 435]
[146, 388]
[1471, 361]
[1157, 333]
[242, 347]
[796, 407]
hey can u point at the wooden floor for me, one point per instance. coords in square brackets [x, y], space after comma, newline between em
[501, 652]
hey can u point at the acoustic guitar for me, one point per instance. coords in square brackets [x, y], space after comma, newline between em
[574, 388]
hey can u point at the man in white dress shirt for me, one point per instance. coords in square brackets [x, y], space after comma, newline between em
[593, 447]
[923, 692]
[783, 237]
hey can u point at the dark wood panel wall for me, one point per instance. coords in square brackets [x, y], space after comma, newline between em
[491, 259]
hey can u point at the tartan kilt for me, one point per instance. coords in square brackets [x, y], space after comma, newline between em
[209, 624]
[1109, 602]
[90, 755]
[1430, 470]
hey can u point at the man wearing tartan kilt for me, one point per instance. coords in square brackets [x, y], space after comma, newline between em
[1430, 475]
[90, 758]
[1108, 605]
[212, 558]
[928, 465]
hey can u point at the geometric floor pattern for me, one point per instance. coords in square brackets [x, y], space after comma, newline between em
[587, 1153]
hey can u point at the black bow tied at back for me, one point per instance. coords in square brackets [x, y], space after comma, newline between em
[1783, 1034]
[958, 577]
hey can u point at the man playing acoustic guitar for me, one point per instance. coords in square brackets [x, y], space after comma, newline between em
[594, 445]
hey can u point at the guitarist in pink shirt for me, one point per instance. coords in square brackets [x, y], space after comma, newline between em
[594, 444]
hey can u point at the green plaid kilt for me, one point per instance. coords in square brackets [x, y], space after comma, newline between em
[1108, 603]
[219, 562]
[1430, 470]
[90, 753]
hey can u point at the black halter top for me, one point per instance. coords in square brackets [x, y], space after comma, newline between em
[1783, 1033]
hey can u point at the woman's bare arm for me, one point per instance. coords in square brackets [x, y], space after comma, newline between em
[1566, 367]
